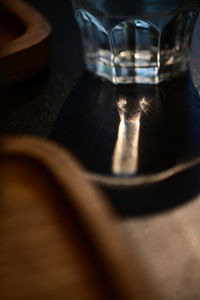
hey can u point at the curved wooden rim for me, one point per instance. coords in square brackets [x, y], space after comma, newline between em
[142, 180]
[28, 39]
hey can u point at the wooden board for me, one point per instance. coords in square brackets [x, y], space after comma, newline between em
[59, 239]
[24, 41]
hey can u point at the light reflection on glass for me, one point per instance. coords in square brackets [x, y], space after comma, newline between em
[126, 151]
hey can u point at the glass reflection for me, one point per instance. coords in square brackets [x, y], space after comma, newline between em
[124, 131]
[136, 146]
[126, 151]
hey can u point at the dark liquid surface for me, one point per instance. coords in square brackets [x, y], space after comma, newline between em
[121, 8]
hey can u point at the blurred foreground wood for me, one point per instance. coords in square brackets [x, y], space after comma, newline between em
[58, 237]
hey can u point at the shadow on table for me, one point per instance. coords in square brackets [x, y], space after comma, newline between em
[128, 131]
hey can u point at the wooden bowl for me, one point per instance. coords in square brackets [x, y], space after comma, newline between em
[24, 41]
[59, 239]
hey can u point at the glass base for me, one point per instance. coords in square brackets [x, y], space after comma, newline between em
[125, 68]
[137, 50]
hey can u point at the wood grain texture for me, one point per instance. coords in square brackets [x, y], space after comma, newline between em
[24, 41]
[59, 240]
